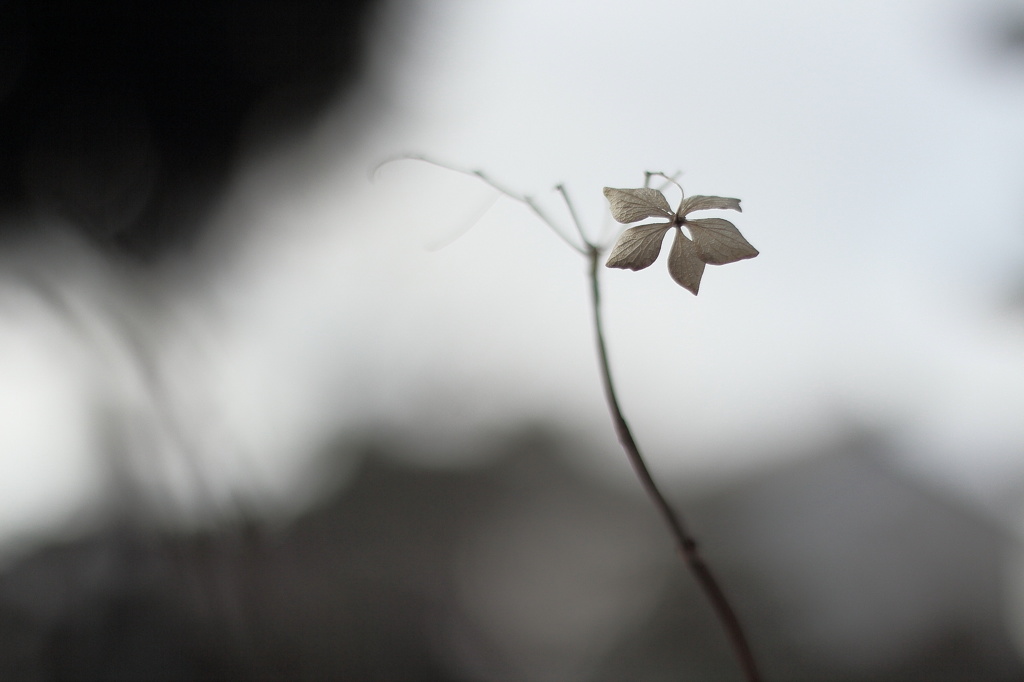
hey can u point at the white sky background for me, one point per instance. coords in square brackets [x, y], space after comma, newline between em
[879, 153]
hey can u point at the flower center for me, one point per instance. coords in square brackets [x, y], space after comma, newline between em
[682, 226]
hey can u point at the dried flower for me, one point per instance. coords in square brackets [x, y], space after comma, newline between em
[714, 241]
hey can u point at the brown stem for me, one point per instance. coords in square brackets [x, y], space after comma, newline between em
[686, 543]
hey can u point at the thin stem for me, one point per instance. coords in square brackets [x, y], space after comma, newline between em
[521, 198]
[575, 218]
[671, 179]
[686, 543]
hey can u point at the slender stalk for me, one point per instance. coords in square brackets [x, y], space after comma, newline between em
[528, 201]
[687, 545]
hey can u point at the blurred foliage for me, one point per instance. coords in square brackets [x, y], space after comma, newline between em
[522, 568]
[124, 117]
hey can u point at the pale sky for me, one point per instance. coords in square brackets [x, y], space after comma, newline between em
[877, 148]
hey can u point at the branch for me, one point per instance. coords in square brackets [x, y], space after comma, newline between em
[521, 198]
[686, 543]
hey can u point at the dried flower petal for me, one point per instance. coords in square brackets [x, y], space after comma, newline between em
[702, 203]
[631, 205]
[709, 241]
[638, 247]
[718, 241]
[684, 264]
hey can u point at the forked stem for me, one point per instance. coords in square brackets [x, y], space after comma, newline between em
[686, 543]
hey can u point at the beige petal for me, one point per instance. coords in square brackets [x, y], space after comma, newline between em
[631, 205]
[702, 203]
[638, 247]
[718, 241]
[684, 264]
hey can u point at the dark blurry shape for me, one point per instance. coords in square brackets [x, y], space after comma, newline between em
[1007, 28]
[864, 573]
[1004, 35]
[846, 569]
[123, 117]
[997, 31]
[96, 168]
[1012, 302]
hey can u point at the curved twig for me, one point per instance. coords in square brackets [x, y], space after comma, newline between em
[521, 198]
[685, 541]
[687, 545]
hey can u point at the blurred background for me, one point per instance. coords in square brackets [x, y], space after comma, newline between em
[271, 409]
